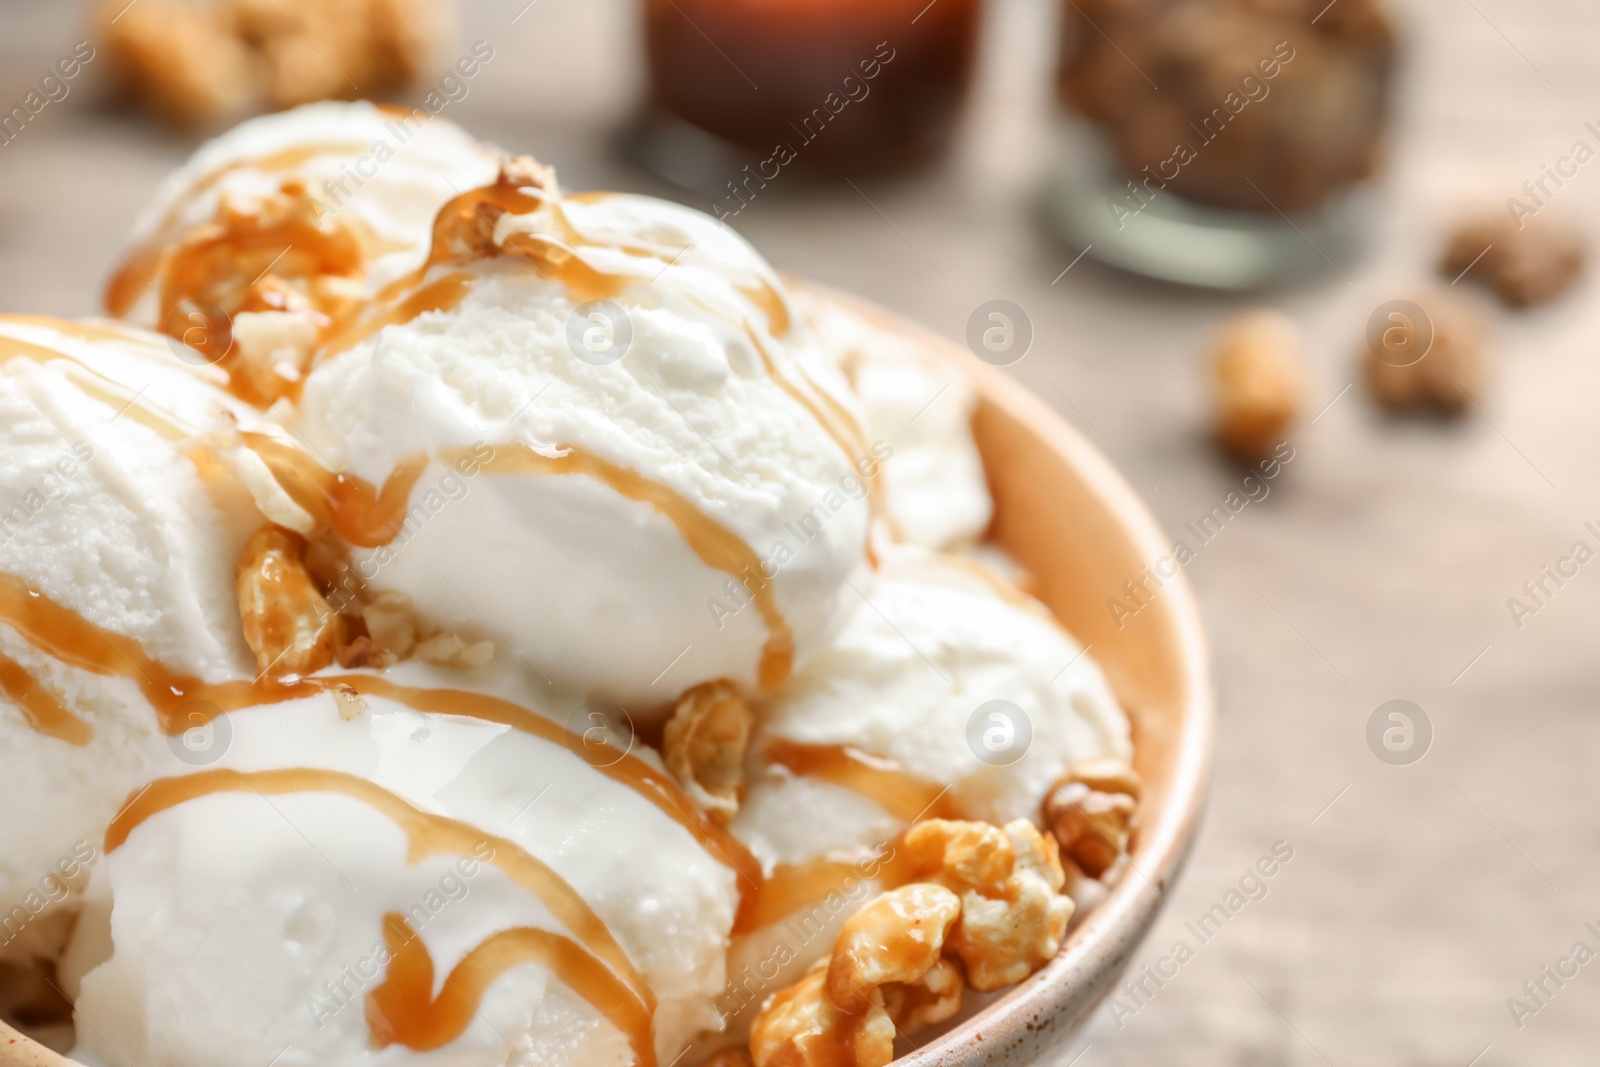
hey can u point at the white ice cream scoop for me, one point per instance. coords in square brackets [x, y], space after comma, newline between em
[369, 179]
[275, 233]
[391, 870]
[949, 694]
[117, 527]
[950, 675]
[920, 403]
[669, 483]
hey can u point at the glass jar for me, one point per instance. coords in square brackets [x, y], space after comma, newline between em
[816, 85]
[1222, 143]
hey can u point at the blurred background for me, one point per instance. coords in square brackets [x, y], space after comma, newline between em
[1421, 544]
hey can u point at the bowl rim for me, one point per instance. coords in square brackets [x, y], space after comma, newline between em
[1027, 1017]
[1078, 978]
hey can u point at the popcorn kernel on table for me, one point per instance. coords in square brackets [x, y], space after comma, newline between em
[1525, 261]
[1448, 376]
[198, 62]
[1259, 382]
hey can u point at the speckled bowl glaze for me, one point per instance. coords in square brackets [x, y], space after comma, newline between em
[1070, 519]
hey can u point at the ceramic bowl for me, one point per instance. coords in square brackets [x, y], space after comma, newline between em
[1065, 514]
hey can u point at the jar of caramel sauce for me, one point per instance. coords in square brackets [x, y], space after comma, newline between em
[814, 84]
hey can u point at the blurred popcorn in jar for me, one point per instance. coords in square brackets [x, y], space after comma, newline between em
[1183, 95]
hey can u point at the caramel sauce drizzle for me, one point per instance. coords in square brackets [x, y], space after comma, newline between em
[764, 295]
[242, 246]
[427, 834]
[41, 710]
[717, 547]
[1002, 586]
[365, 515]
[441, 294]
[463, 233]
[404, 1011]
[221, 266]
[909, 798]
[63, 633]
[89, 380]
[558, 263]
[828, 413]
[902, 794]
[788, 889]
[760, 292]
[134, 277]
[658, 787]
[100, 330]
[793, 887]
[603, 974]
[130, 280]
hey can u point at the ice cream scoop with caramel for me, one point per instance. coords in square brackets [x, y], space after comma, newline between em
[473, 651]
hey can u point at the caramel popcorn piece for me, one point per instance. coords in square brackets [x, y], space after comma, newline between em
[1448, 376]
[255, 289]
[392, 624]
[704, 746]
[886, 975]
[272, 350]
[362, 654]
[1013, 915]
[188, 66]
[200, 61]
[449, 650]
[1260, 382]
[287, 623]
[986, 896]
[896, 938]
[933, 998]
[352, 705]
[1091, 812]
[802, 1027]
[396, 632]
[468, 229]
[1525, 261]
[733, 1057]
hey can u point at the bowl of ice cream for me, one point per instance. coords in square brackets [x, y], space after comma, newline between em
[496, 624]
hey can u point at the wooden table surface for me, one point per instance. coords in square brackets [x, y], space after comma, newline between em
[1419, 898]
